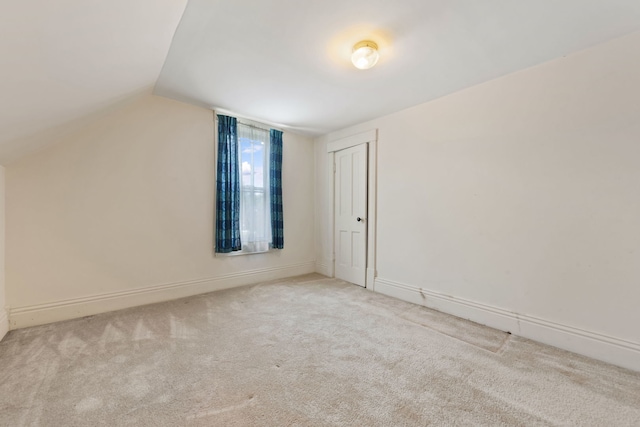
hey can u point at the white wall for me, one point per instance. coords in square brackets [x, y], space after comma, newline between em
[121, 213]
[4, 320]
[516, 203]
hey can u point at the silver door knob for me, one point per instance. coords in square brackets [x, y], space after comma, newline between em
[360, 219]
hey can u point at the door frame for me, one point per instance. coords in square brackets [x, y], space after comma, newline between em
[371, 138]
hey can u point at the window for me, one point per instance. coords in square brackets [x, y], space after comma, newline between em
[255, 217]
[249, 188]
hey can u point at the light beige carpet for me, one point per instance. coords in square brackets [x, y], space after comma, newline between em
[307, 351]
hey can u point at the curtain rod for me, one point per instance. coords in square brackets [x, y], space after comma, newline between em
[253, 126]
[247, 121]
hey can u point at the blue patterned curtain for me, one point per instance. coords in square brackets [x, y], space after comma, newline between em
[275, 183]
[228, 187]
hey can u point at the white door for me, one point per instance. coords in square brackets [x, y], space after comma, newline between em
[351, 214]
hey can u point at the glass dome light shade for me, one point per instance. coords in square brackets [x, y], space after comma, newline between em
[365, 55]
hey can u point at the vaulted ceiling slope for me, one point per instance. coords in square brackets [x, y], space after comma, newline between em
[287, 61]
[284, 62]
[64, 60]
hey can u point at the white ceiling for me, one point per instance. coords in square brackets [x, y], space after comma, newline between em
[284, 62]
[63, 60]
[287, 61]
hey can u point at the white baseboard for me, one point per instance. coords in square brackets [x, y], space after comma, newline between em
[22, 317]
[4, 323]
[322, 268]
[598, 346]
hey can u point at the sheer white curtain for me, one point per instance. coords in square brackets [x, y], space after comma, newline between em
[255, 215]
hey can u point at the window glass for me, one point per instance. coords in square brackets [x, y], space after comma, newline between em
[255, 218]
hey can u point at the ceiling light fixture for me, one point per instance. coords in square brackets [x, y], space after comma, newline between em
[365, 55]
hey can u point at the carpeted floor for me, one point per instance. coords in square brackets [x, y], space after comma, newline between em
[306, 351]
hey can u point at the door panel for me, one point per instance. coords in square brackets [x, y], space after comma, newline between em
[350, 214]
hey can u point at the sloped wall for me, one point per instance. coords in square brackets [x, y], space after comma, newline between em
[121, 213]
